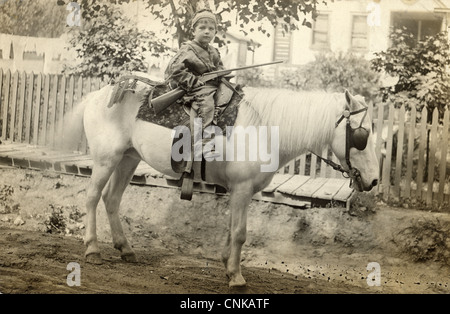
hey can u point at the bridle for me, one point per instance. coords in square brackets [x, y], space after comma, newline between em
[354, 137]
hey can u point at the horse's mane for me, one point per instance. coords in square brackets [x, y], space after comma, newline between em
[306, 120]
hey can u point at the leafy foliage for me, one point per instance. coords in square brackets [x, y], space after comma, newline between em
[422, 69]
[38, 18]
[109, 45]
[334, 73]
[288, 12]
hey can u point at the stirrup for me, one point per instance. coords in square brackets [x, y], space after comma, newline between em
[187, 185]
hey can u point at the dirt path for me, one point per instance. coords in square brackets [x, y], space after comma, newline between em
[178, 244]
[33, 262]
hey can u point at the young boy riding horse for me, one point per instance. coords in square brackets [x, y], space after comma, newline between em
[195, 58]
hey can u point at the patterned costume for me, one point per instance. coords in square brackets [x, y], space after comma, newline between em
[191, 61]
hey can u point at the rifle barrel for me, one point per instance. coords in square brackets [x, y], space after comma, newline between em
[244, 67]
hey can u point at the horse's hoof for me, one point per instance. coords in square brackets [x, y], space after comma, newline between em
[238, 282]
[94, 258]
[129, 257]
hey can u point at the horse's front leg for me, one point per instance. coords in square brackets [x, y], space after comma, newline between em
[240, 197]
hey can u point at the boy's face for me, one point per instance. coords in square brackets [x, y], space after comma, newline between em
[204, 31]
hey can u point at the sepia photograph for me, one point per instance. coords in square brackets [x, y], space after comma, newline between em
[224, 155]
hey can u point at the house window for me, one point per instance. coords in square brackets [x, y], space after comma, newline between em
[421, 25]
[359, 33]
[320, 35]
[282, 44]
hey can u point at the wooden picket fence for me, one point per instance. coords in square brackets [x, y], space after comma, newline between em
[415, 155]
[33, 107]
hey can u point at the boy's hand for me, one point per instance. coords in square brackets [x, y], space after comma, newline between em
[198, 84]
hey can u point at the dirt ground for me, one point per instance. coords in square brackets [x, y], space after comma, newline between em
[178, 243]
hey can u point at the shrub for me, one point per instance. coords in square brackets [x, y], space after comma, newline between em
[421, 68]
[334, 73]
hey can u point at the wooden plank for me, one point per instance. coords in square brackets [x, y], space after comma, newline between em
[323, 165]
[280, 198]
[386, 178]
[60, 157]
[21, 108]
[399, 153]
[46, 91]
[291, 166]
[444, 150]
[337, 174]
[2, 103]
[379, 127]
[422, 152]
[52, 110]
[70, 94]
[23, 152]
[308, 189]
[6, 104]
[277, 180]
[12, 122]
[302, 165]
[30, 153]
[313, 165]
[72, 159]
[330, 188]
[37, 109]
[292, 184]
[344, 193]
[410, 153]
[432, 155]
[60, 113]
[5, 147]
[29, 107]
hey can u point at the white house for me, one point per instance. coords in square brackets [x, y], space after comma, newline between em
[360, 26]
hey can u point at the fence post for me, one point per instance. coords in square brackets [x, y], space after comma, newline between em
[379, 139]
[422, 151]
[29, 107]
[12, 120]
[432, 156]
[386, 178]
[409, 161]
[37, 109]
[60, 112]
[444, 150]
[21, 109]
[2, 103]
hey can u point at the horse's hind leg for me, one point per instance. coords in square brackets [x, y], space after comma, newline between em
[112, 195]
[102, 170]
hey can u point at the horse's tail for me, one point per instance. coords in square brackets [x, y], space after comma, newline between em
[73, 126]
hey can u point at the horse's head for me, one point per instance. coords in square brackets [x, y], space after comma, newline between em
[353, 144]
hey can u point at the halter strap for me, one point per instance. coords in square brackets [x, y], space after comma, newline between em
[350, 113]
[351, 171]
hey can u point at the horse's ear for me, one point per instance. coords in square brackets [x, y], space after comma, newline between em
[351, 100]
[348, 97]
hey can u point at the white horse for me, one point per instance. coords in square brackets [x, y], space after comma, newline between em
[304, 122]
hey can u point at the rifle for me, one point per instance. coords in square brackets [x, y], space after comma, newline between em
[162, 102]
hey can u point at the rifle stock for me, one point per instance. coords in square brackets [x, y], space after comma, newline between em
[162, 102]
